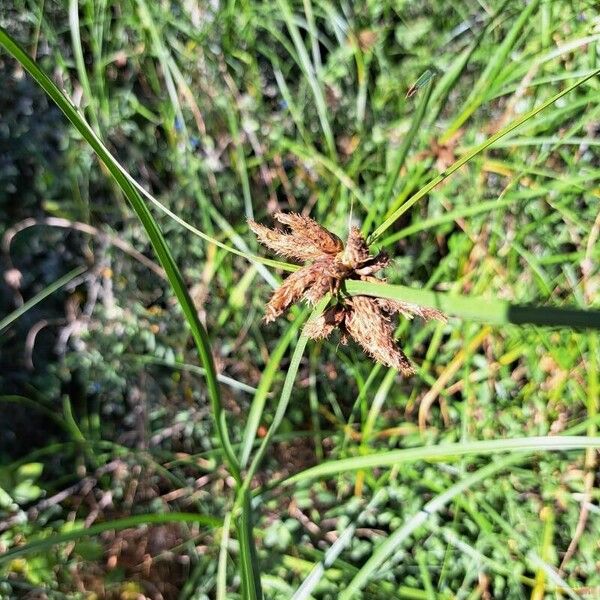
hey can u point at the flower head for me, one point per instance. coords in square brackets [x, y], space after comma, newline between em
[365, 319]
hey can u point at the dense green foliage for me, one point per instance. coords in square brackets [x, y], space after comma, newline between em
[462, 136]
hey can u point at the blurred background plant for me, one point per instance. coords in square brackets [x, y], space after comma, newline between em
[226, 111]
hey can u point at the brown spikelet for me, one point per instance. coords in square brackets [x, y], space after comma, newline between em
[374, 264]
[286, 244]
[290, 291]
[367, 324]
[356, 252]
[327, 279]
[308, 230]
[318, 289]
[322, 325]
[331, 274]
[409, 310]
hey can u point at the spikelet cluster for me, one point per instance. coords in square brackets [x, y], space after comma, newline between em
[365, 319]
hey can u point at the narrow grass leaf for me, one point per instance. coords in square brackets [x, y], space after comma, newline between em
[445, 452]
[45, 543]
[493, 66]
[264, 387]
[47, 291]
[486, 310]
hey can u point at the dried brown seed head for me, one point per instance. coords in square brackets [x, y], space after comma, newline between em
[287, 244]
[367, 324]
[364, 318]
[308, 230]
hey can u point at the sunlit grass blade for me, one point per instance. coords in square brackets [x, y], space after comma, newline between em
[425, 90]
[474, 152]
[176, 365]
[311, 77]
[451, 74]
[445, 452]
[497, 312]
[47, 291]
[494, 65]
[249, 567]
[264, 387]
[80, 61]
[222, 564]
[286, 393]
[333, 552]
[449, 217]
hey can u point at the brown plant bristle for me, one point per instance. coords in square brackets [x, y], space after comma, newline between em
[286, 244]
[310, 231]
[409, 310]
[290, 291]
[367, 324]
[321, 326]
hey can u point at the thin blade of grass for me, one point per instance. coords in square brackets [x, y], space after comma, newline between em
[47, 291]
[407, 142]
[37, 406]
[444, 452]
[284, 399]
[264, 387]
[493, 67]
[242, 507]
[331, 555]
[452, 73]
[176, 365]
[409, 138]
[474, 152]
[80, 61]
[45, 543]
[222, 564]
[250, 571]
[311, 76]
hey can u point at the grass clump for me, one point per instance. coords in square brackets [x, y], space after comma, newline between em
[160, 440]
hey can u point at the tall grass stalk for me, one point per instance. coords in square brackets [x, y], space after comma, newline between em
[249, 567]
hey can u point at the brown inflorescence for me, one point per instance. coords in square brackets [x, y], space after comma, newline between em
[366, 319]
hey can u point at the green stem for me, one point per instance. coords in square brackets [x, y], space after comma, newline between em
[486, 310]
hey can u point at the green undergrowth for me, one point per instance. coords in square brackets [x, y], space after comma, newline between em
[159, 439]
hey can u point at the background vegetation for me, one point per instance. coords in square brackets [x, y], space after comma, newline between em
[476, 478]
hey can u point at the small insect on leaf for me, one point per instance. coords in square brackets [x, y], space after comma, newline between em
[423, 80]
